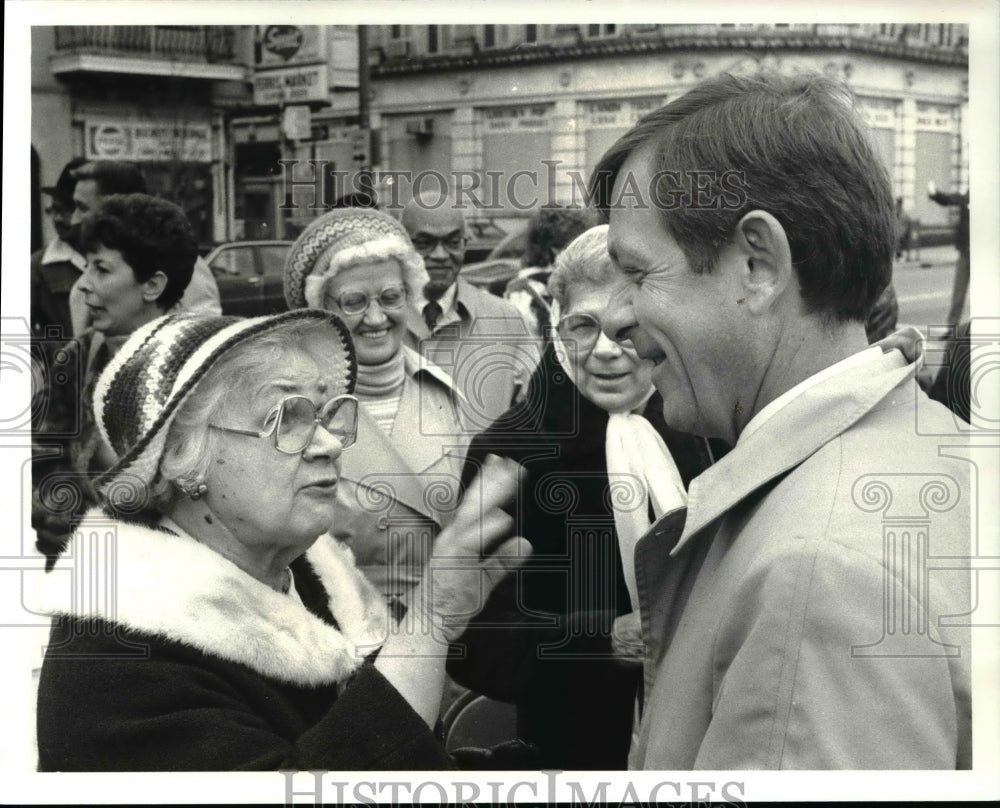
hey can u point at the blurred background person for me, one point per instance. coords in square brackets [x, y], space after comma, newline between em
[94, 181]
[140, 252]
[884, 315]
[961, 284]
[401, 487]
[904, 230]
[477, 338]
[57, 267]
[599, 463]
[235, 640]
[551, 228]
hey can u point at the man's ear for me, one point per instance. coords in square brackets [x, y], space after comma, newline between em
[766, 270]
[154, 286]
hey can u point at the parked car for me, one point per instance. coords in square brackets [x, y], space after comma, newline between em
[250, 276]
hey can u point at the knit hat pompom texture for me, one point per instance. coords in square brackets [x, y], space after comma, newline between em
[343, 238]
[146, 382]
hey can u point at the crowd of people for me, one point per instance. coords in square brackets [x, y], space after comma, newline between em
[642, 507]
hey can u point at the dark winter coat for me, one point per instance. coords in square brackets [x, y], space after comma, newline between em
[195, 665]
[543, 640]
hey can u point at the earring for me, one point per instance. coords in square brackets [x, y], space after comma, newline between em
[750, 264]
[196, 490]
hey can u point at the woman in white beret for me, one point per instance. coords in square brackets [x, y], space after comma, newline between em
[200, 624]
[402, 486]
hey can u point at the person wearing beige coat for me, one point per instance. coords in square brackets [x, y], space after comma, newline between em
[809, 608]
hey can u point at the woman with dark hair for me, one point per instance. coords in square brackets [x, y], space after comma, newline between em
[140, 253]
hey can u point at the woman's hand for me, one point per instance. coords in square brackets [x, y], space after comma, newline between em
[470, 557]
[475, 551]
[626, 639]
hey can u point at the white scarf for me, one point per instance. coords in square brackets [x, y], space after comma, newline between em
[640, 470]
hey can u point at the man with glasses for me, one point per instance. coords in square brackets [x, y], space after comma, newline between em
[480, 339]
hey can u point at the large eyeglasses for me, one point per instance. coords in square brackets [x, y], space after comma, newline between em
[425, 243]
[389, 299]
[583, 330]
[294, 419]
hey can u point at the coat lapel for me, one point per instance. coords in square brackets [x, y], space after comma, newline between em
[798, 430]
[374, 460]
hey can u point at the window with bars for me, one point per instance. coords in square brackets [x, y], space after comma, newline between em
[601, 30]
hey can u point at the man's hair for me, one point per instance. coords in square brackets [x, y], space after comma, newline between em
[791, 146]
[152, 234]
[113, 177]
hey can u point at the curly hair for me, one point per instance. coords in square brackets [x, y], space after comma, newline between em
[152, 234]
[551, 229]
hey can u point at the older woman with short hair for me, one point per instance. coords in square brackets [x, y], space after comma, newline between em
[560, 638]
[199, 623]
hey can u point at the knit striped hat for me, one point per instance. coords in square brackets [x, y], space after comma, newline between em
[343, 238]
[146, 382]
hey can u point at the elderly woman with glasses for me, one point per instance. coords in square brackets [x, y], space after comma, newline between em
[200, 625]
[560, 638]
[401, 487]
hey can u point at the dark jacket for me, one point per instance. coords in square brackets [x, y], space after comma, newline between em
[196, 666]
[50, 287]
[68, 452]
[543, 641]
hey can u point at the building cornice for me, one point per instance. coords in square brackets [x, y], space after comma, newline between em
[542, 53]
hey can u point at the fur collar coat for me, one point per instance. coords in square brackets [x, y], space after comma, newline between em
[166, 656]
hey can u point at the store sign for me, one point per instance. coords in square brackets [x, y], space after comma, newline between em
[534, 117]
[880, 113]
[282, 45]
[618, 113]
[934, 118]
[291, 85]
[148, 141]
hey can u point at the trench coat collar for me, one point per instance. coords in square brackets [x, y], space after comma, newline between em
[797, 431]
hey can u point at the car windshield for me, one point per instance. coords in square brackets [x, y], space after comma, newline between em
[243, 260]
[272, 258]
[235, 261]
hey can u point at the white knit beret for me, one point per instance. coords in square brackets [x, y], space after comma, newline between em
[343, 238]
